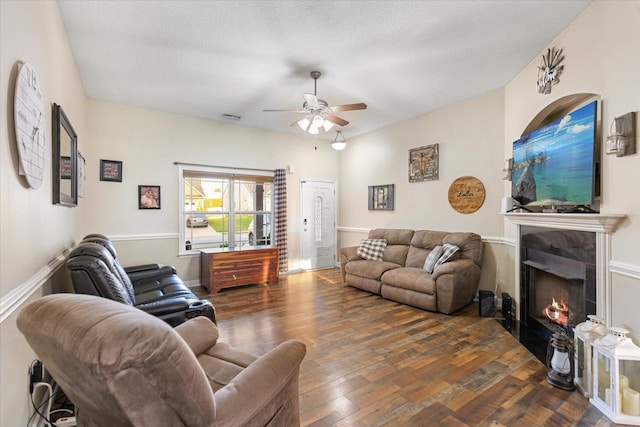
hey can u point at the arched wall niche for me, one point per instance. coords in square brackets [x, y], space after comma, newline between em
[559, 108]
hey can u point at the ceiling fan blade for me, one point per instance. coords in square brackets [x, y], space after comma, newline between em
[284, 111]
[312, 100]
[337, 120]
[349, 107]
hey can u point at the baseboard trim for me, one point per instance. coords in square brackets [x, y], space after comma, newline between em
[18, 296]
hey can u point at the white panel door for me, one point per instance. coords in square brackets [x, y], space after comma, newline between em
[318, 245]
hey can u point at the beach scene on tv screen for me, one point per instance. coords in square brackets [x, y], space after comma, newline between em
[553, 165]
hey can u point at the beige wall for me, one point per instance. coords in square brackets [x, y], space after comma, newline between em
[474, 136]
[33, 230]
[148, 143]
[468, 134]
[601, 57]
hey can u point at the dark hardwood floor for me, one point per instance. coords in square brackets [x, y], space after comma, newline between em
[373, 362]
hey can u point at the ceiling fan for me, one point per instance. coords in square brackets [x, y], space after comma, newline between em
[318, 113]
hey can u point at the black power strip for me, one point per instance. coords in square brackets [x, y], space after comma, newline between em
[36, 374]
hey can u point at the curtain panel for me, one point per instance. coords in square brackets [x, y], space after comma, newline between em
[280, 217]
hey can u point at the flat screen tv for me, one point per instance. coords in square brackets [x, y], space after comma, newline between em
[555, 165]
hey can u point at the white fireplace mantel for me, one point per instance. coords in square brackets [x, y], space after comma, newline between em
[596, 222]
[601, 224]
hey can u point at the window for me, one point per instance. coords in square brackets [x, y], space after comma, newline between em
[223, 209]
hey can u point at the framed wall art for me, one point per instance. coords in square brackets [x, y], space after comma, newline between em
[423, 163]
[381, 197]
[110, 170]
[148, 197]
[65, 167]
[81, 174]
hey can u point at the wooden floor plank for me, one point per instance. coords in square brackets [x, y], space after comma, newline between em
[374, 362]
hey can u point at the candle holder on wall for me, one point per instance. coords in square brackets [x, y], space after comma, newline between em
[621, 140]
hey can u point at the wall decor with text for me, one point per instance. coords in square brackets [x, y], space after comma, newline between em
[466, 194]
[110, 170]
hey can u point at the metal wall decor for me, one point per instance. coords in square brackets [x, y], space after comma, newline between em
[423, 163]
[549, 70]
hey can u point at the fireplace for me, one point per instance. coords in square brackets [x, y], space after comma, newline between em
[573, 268]
[557, 279]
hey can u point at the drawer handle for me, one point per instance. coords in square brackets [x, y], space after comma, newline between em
[234, 277]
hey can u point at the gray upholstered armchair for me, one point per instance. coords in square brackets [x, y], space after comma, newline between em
[123, 367]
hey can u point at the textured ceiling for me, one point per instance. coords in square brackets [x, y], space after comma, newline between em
[402, 58]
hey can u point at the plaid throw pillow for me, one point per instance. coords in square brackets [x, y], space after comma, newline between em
[372, 249]
[447, 252]
[433, 256]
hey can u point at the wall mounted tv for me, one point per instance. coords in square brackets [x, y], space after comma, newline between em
[555, 165]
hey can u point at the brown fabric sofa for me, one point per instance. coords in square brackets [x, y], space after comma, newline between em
[400, 275]
[123, 367]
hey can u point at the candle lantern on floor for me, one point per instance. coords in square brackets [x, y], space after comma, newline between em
[560, 361]
[585, 334]
[616, 377]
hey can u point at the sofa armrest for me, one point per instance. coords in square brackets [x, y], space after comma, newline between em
[260, 383]
[148, 272]
[164, 306]
[456, 284]
[348, 253]
[200, 334]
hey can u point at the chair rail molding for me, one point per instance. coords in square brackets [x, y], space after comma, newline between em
[20, 294]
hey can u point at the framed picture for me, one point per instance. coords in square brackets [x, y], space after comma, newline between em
[381, 197]
[81, 174]
[148, 197]
[110, 170]
[423, 163]
[65, 167]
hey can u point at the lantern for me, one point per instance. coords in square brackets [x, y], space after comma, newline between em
[560, 361]
[616, 377]
[585, 334]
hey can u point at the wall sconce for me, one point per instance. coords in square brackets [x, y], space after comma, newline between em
[339, 142]
[622, 138]
[507, 172]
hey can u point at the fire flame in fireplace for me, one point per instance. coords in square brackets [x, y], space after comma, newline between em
[558, 311]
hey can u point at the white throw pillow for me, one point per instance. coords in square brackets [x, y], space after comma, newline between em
[433, 256]
[372, 249]
[447, 252]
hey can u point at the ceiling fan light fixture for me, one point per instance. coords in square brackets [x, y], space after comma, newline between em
[313, 130]
[304, 123]
[327, 125]
[317, 121]
[339, 142]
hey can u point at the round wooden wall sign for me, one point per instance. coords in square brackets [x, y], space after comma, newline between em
[466, 194]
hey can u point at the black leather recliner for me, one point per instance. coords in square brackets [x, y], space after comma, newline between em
[94, 271]
[155, 280]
